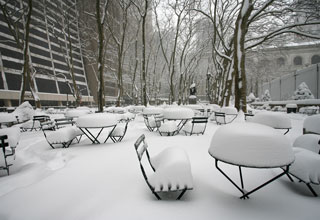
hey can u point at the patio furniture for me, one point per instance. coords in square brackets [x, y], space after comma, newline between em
[250, 145]
[99, 122]
[62, 122]
[120, 131]
[168, 128]
[34, 124]
[226, 115]
[196, 126]
[275, 120]
[311, 125]
[60, 137]
[9, 139]
[8, 119]
[170, 169]
[180, 115]
[306, 167]
[149, 114]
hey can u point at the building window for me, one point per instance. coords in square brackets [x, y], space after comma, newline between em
[280, 61]
[297, 61]
[315, 59]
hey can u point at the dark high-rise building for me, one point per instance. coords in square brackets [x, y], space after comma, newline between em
[54, 25]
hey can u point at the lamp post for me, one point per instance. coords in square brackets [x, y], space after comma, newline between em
[208, 85]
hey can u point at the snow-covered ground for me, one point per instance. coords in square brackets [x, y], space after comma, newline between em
[104, 181]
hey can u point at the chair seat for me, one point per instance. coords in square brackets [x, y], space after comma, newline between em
[62, 135]
[118, 131]
[168, 126]
[172, 171]
[306, 166]
[197, 128]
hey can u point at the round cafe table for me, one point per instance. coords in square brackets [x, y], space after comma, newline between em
[251, 145]
[98, 121]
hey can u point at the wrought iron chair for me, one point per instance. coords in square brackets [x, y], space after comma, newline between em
[141, 148]
[120, 131]
[5, 153]
[196, 126]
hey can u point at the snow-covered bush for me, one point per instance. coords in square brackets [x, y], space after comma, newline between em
[266, 96]
[303, 92]
[251, 98]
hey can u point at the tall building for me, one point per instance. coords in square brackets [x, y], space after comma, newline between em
[53, 23]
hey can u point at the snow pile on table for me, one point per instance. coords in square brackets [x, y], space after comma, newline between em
[24, 111]
[126, 116]
[272, 119]
[178, 113]
[152, 110]
[312, 124]
[306, 166]
[310, 110]
[97, 120]
[13, 135]
[251, 144]
[135, 108]
[173, 170]
[308, 141]
[74, 113]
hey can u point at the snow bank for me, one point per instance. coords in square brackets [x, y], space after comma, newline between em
[272, 119]
[173, 170]
[252, 145]
[178, 113]
[306, 166]
[97, 120]
[13, 135]
[312, 124]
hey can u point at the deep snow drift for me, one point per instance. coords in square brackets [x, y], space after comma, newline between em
[104, 181]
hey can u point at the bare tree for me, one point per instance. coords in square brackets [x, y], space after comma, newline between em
[16, 13]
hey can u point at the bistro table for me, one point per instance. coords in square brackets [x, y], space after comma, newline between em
[98, 121]
[251, 145]
[276, 120]
[179, 114]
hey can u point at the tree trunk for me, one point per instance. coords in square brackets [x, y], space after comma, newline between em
[239, 55]
[144, 73]
[101, 95]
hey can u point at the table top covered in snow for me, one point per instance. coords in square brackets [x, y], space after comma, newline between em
[276, 120]
[178, 113]
[97, 120]
[251, 145]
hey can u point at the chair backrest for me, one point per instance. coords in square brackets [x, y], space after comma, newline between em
[141, 147]
[41, 118]
[60, 122]
[220, 117]
[158, 119]
[3, 141]
[196, 120]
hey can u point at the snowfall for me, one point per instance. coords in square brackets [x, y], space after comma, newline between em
[104, 181]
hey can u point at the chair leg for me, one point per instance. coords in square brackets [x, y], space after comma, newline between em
[312, 190]
[182, 193]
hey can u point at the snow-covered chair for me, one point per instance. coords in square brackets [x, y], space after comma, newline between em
[306, 166]
[168, 128]
[226, 115]
[35, 123]
[275, 120]
[153, 122]
[171, 169]
[61, 137]
[196, 126]
[120, 131]
[311, 125]
[4, 154]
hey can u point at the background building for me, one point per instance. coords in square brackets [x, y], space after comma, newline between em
[48, 55]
